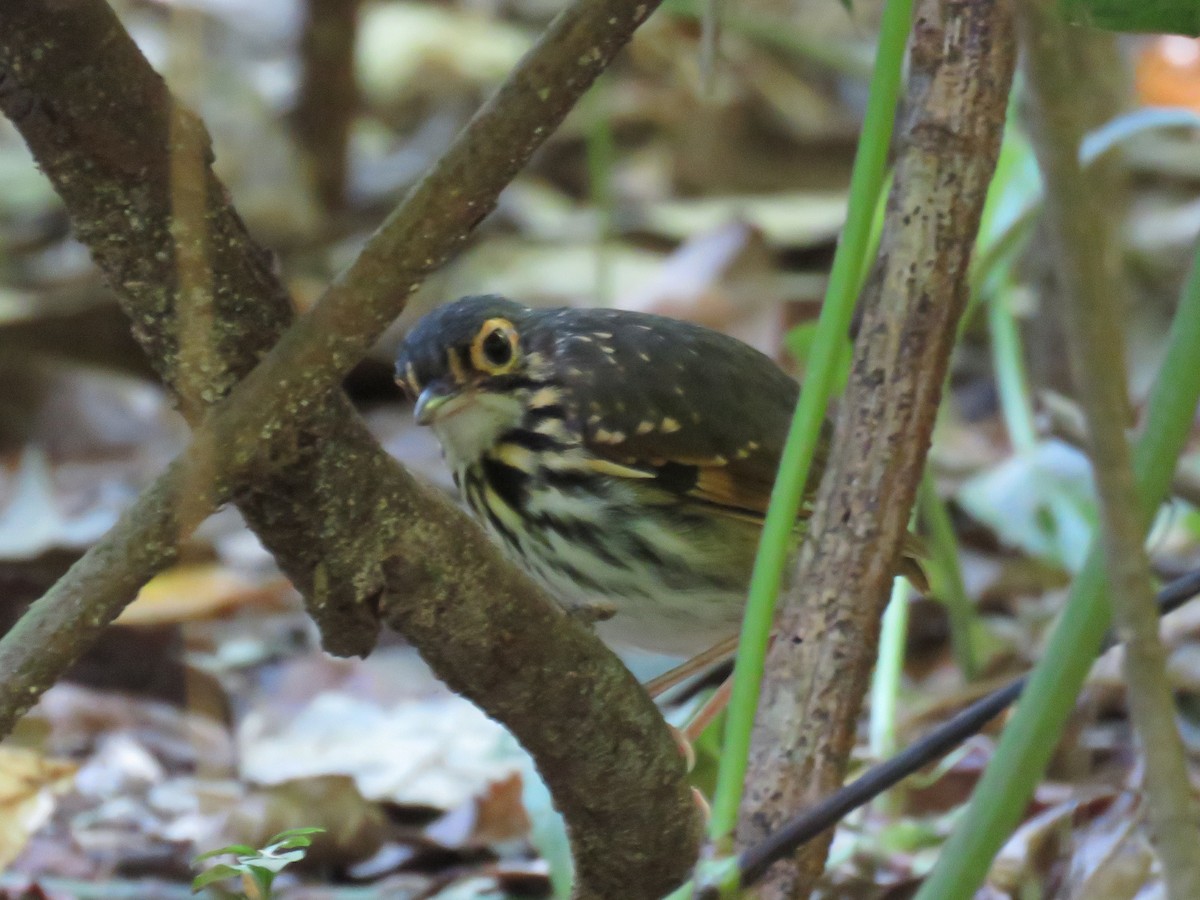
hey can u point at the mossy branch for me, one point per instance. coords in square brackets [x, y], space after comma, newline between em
[360, 537]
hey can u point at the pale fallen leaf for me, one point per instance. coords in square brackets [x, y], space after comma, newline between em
[438, 753]
[194, 592]
[1041, 502]
[29, 783]
[402, 44]
[790, 221]
[723, 278]
[542, 273]
[31, 521]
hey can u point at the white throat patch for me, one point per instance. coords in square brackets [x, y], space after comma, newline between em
[474, 428]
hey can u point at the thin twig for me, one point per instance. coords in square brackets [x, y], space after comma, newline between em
[328, 100]
[1084, 241]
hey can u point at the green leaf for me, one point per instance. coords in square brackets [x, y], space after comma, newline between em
[231, 850]
[295, 832]
[1155, 16]
[264, 876]
[298, 841]
[217, 873]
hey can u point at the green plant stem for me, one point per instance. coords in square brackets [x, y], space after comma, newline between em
[866, 181]
[948, 586]
[885, 682]
[1031, 735]
[1009, 215]
[1083, 239]
[1008, 361]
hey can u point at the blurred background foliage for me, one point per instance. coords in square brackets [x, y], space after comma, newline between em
[710, 192]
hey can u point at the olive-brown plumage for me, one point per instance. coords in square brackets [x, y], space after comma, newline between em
[626, 460]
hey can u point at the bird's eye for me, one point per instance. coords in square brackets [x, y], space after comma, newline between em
[494, 349]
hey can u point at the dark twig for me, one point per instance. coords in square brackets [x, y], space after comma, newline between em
[328, 96]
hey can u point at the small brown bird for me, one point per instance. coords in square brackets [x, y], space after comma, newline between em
[625, 460]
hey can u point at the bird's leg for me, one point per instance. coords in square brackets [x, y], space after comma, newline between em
[709, 710]
[701, 719]
[715, 654]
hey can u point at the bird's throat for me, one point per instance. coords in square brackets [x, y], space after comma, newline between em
[475, 428]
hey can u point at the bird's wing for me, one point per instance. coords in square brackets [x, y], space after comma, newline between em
[699, 413]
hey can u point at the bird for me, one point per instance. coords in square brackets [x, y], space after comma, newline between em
[624, 460]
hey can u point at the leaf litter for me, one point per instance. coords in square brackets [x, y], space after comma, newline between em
[212, 718]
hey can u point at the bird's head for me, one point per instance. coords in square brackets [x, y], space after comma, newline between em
[465, 367]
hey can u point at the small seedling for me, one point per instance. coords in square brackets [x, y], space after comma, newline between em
[256, 868]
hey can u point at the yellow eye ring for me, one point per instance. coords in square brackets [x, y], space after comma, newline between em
[495, 348]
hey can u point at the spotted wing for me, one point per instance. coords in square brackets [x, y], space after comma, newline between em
[701, 413]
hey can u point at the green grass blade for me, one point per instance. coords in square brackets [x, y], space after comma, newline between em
[947, 577]
[1030, 737]
[870, 166]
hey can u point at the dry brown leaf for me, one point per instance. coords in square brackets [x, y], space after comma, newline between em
[1027, 855]
[1111, 858]
[355, 828]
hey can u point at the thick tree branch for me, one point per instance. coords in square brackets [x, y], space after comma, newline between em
[1083, 236]
[347, 523]
[132, 168]
[962, 62]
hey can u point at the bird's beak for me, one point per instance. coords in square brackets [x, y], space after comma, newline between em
[440, 398]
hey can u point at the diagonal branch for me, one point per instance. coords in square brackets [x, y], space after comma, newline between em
[347, 524]
[962, 60]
